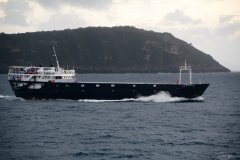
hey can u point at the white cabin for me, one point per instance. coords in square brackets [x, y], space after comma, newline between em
[40, 74]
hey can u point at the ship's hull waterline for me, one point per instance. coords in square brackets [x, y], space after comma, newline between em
[102, 91]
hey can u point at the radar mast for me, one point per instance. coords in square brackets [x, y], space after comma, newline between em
[55, 55]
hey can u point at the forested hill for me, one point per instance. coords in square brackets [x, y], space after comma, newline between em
[104, 50]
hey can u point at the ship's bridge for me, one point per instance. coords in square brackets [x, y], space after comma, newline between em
[40, 74]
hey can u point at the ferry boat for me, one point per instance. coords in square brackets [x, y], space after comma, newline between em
[38, 82]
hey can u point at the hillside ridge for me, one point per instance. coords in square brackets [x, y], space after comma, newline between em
[122, 49]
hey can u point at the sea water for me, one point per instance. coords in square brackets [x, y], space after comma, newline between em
[154, 127]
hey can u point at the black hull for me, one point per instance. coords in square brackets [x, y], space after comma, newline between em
[99, 91]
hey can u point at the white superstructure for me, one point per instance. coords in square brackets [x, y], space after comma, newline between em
[41, 74]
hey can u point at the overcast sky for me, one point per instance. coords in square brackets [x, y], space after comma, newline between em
[212, 26]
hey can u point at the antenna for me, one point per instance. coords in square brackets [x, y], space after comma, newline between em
[55, 55]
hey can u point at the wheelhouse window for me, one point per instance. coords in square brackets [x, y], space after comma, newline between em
[58, 77]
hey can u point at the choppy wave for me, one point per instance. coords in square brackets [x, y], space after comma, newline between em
[229, 156]
[159, 97]
[11, 98]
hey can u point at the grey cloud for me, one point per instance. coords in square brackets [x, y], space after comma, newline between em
[14, 10]
[227, 30]
[225, 18]
[179, 17]
[91, 4]
[227, 27]
[60, 22]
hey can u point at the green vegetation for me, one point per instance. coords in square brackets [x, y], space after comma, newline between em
[105, 50]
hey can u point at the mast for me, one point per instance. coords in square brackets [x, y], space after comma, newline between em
[55, 55]
[185, 68]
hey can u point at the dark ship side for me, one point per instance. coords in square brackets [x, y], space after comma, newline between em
[57, 83]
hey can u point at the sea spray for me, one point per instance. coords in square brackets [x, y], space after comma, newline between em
[11, 98]
[160, 97]
[102, 100]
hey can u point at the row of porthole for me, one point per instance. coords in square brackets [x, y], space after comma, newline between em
[114, 90]
[98, 85]
[113, 85]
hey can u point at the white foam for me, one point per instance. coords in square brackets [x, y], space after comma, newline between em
[11, 98]
[159, 97]
[198, 98]
[95, 100]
